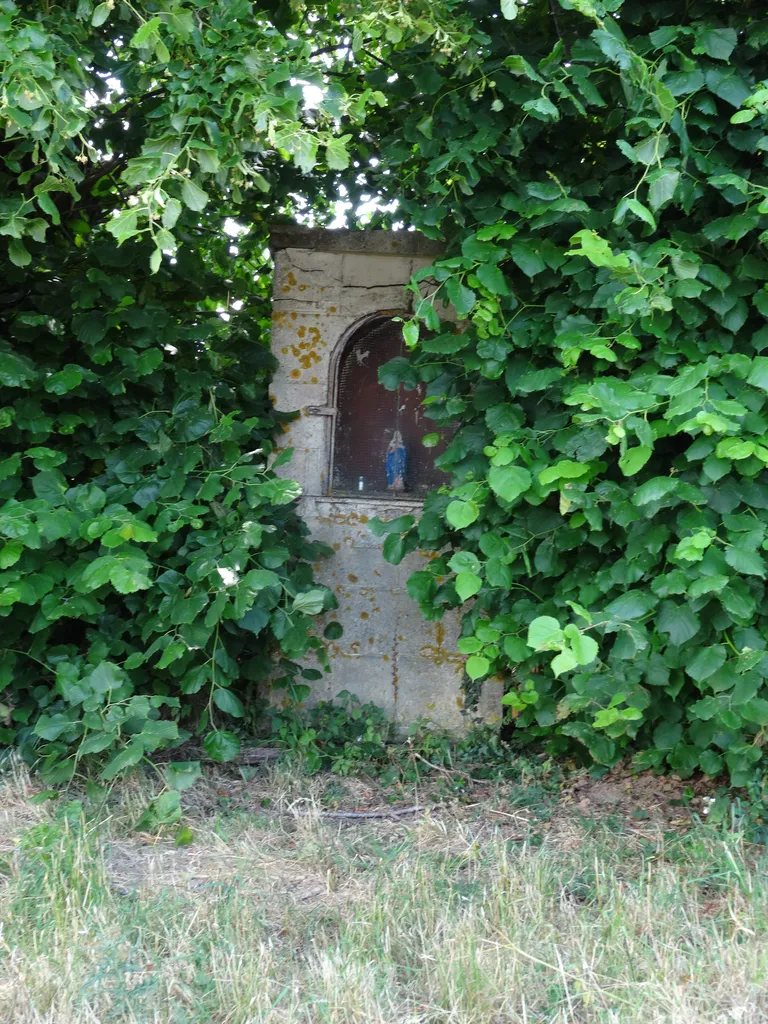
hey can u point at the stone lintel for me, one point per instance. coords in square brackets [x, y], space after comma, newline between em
[343, 240]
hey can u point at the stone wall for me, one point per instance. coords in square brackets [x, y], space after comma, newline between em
[327, 283]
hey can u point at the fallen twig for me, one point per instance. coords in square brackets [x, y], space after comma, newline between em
[394, 812]
[447, 771]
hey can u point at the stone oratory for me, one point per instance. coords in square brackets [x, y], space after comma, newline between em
[358, 454]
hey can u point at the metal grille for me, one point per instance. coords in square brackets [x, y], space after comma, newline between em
[367, 416]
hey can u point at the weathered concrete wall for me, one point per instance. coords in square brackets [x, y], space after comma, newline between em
[327, 283]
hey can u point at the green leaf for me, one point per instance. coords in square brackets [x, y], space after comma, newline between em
[526, 259]
[705, 662]
[124, 226]
[50, 486]
[380, 528]
[635, 604]
[18, 253]
[545, 634]
[461, 514]
[565, 661]
[718, 43]
[181, 775]
[336, 154]
[566, 470]
[633, 460]
[597, 250]
[678, 621]
[498, 574]
[467, 585]
[516, 649]
[750, 563]
[465, 561]
[509, 9]
[310, 603]
[491, 277]
[656, 489]
[145, 34]
[221, 745]
[10, 553]
[227, 702]
[171, 213]
[509, 482]
[105, 677]
[194, 197]
[15, 371]
[477, 666]
[667, 735]
[125, 758]
[758, 376]
[584, 648]
[65, 380]
[462, 298]
[637, 208]
[100, 14]
[662, 184]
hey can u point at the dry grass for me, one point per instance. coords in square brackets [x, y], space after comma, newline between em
[281, 918]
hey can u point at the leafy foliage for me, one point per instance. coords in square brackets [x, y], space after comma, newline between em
[599, 173]
[153, 568]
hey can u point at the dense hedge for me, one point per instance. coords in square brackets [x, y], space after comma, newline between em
[601, 170]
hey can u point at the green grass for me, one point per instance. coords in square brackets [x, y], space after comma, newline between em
[449, 917]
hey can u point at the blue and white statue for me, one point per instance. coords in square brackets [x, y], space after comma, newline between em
[396, 462]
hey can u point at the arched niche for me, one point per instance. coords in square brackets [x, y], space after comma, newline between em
[370, 421]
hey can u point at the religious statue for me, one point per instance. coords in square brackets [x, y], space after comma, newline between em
[396, 462]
